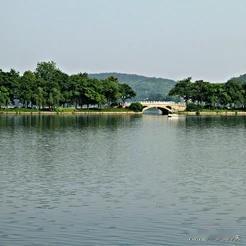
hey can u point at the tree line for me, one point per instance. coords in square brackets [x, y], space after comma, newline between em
[202, 94]
[49, 87]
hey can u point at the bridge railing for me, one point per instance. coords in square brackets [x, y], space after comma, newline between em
[157, 103]
[161, 103]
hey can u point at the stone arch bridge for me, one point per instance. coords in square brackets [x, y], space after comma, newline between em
[165, 107]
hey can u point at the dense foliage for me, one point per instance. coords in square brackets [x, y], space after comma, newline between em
[49, 87]
[136, 107]
[201, 94]
[146, 88]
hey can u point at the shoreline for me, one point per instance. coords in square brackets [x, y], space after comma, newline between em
[68, 113]
[184, 113]
[213, 113]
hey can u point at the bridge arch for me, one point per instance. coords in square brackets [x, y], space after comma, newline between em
[165, 107]
[165, 110]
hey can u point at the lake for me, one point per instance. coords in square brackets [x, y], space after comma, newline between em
[122, 180]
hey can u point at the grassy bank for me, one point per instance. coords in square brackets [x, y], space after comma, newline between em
[68, 111]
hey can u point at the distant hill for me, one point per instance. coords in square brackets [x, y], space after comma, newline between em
[150, 88]
[241, 79]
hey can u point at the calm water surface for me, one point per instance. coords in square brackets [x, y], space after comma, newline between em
[122, 180]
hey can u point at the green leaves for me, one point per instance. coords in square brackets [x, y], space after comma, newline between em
[231, 94]
[4, 96]
[136, 107]
[126, 92]
[183, 89]
[49, 87]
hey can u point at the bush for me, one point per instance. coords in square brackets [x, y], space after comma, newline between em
[193, 107]
[136, 107]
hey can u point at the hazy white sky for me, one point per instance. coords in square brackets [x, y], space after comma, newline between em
[205, 39]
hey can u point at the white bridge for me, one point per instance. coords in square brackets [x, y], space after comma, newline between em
[165, 107]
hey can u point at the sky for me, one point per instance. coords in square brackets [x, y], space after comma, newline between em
[204, 39]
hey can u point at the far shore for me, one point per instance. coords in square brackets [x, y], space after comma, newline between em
[213, 113]
[68, 112]
[115, 111]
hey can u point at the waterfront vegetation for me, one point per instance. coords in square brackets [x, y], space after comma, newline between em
[136, 107]
[49, 89]
[204, 96]
[70, 110]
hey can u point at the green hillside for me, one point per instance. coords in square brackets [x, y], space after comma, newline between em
[147, 88]
[241, 79]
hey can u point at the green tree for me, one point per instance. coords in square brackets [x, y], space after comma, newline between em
[183, 89]
[235, 91]
[49, 87]
[199, 92]
[126, 92]
[10, 80]
[26, 88]
[136, 107]
[39, 97]
[111, 90]
[52, 78]
[4, 96]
